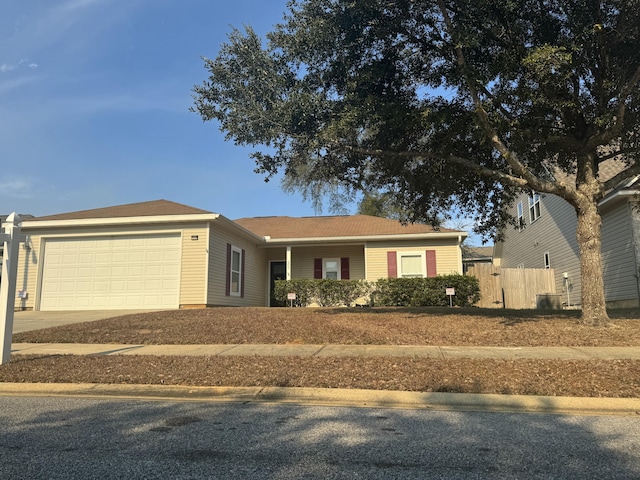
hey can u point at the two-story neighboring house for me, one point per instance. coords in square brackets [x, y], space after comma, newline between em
[546, 238]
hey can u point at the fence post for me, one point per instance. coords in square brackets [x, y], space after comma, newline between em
[11, 240]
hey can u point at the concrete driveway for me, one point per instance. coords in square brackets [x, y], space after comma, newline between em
[30, 320]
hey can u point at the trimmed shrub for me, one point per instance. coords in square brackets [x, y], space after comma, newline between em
[303, 288]
[426, 292]
[324, 292]
[386, 292]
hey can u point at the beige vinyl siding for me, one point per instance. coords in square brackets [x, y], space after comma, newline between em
[255, 280]
[194, 266]
[302, 259]
[448, 256]
[618, 256]
[554, 232]
[193, 256]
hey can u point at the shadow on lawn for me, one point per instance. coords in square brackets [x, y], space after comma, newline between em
[508, 316]
[523, 315]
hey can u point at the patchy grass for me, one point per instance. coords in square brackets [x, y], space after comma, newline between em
[366, 326]
[400, 326]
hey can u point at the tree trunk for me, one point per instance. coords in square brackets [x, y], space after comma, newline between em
[594, 310]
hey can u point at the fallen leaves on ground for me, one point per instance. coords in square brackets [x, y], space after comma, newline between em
[391, 326]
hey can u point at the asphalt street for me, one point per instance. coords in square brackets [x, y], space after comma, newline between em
[80, 438]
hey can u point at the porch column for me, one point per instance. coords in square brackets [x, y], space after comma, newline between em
[288, 262]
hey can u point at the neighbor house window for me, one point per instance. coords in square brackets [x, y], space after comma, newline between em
[547, 262]
[520, 217]
[534, 207]
[411, 265]
[331, 268]
[235, 272]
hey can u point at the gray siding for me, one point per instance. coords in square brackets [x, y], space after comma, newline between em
[553, 232]
[618, 255]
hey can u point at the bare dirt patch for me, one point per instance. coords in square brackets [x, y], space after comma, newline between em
[457, 327]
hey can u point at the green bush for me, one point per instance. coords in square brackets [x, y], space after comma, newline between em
[303, 288]
[386, 292]
[324, 292]
[426, 292]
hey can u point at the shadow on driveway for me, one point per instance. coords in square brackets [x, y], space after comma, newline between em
[32, 320]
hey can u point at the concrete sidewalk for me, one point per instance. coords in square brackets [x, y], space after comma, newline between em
[330, 396]
[416, 351]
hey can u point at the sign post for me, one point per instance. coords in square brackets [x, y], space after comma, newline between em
[450, 293]
[291, 297]
[11, 240]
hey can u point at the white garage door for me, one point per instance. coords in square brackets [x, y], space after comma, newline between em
[128, 272]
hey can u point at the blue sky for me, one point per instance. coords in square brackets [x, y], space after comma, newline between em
[94, 99]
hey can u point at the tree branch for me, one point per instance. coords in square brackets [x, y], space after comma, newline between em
[510, 157]
[617, 153]
[608, 135]
[625, 174]
[542, 186]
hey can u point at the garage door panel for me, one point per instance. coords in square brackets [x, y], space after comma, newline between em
[85, 287]
[136, 270]
[141, 271]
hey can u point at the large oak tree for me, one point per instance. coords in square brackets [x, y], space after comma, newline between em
[446, 103]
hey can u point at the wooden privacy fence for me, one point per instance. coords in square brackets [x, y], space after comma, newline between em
[515, 287]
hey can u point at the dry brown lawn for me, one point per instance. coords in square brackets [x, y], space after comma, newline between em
[391, 326]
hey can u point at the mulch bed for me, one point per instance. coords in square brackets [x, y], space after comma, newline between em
[584, 378]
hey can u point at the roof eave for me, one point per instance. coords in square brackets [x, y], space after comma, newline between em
[366, 238]
[148, 219]
[618, 196]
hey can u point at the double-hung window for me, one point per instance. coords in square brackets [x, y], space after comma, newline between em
[534, 207]
[331, 268]
[235, 273]
[520, 217]
[411, 265]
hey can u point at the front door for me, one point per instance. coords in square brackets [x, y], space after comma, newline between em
[278, 272]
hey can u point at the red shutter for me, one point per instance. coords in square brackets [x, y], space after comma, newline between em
[344, 268]
[431, 263]
[242, 274]
[227, 288]
[392, 264]
[317, 268]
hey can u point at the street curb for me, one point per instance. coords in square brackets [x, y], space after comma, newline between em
[336, 397]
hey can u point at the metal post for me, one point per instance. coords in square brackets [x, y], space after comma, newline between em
[11, 240]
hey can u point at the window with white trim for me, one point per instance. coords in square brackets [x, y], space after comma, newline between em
[534, 207]
[331, 268]
[411, 265]
[520, 217]
[235, 272]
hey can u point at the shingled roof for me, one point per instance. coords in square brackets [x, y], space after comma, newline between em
[141, 209]
[333, 226]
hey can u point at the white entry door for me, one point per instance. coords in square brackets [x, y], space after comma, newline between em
[111, 272]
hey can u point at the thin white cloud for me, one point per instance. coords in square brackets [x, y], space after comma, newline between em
[7, 67]
[54, 28]
[16, 188]
[12, 84]
[73, 5]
